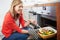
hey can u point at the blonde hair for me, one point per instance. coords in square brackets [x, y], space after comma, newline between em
[14, 3]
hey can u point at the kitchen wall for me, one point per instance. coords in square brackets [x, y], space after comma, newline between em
[4, 7]
[32, 2]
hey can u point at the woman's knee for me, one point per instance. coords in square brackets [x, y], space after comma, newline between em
[19, 35]
[23, 36]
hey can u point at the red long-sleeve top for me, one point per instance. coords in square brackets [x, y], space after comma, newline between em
[9, 25]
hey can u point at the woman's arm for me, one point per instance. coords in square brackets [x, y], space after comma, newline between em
[30, 21]
[24, 31]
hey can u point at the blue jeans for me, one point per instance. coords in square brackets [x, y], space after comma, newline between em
[17, 36]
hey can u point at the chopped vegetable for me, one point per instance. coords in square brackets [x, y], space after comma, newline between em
[46, 32]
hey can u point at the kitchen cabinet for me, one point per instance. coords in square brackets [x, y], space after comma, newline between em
[58, 19]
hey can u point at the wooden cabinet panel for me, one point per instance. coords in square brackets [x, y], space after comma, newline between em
[58, 20]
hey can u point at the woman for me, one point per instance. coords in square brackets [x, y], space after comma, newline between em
[11, 26]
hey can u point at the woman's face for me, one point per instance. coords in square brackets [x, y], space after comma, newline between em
[18, 8]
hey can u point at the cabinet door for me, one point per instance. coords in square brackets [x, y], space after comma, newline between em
[58, 20]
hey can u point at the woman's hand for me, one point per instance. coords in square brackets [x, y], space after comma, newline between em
[30, 21]
[33, 21]
[27, 23]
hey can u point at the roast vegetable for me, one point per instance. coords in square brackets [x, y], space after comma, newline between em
[46, 32]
